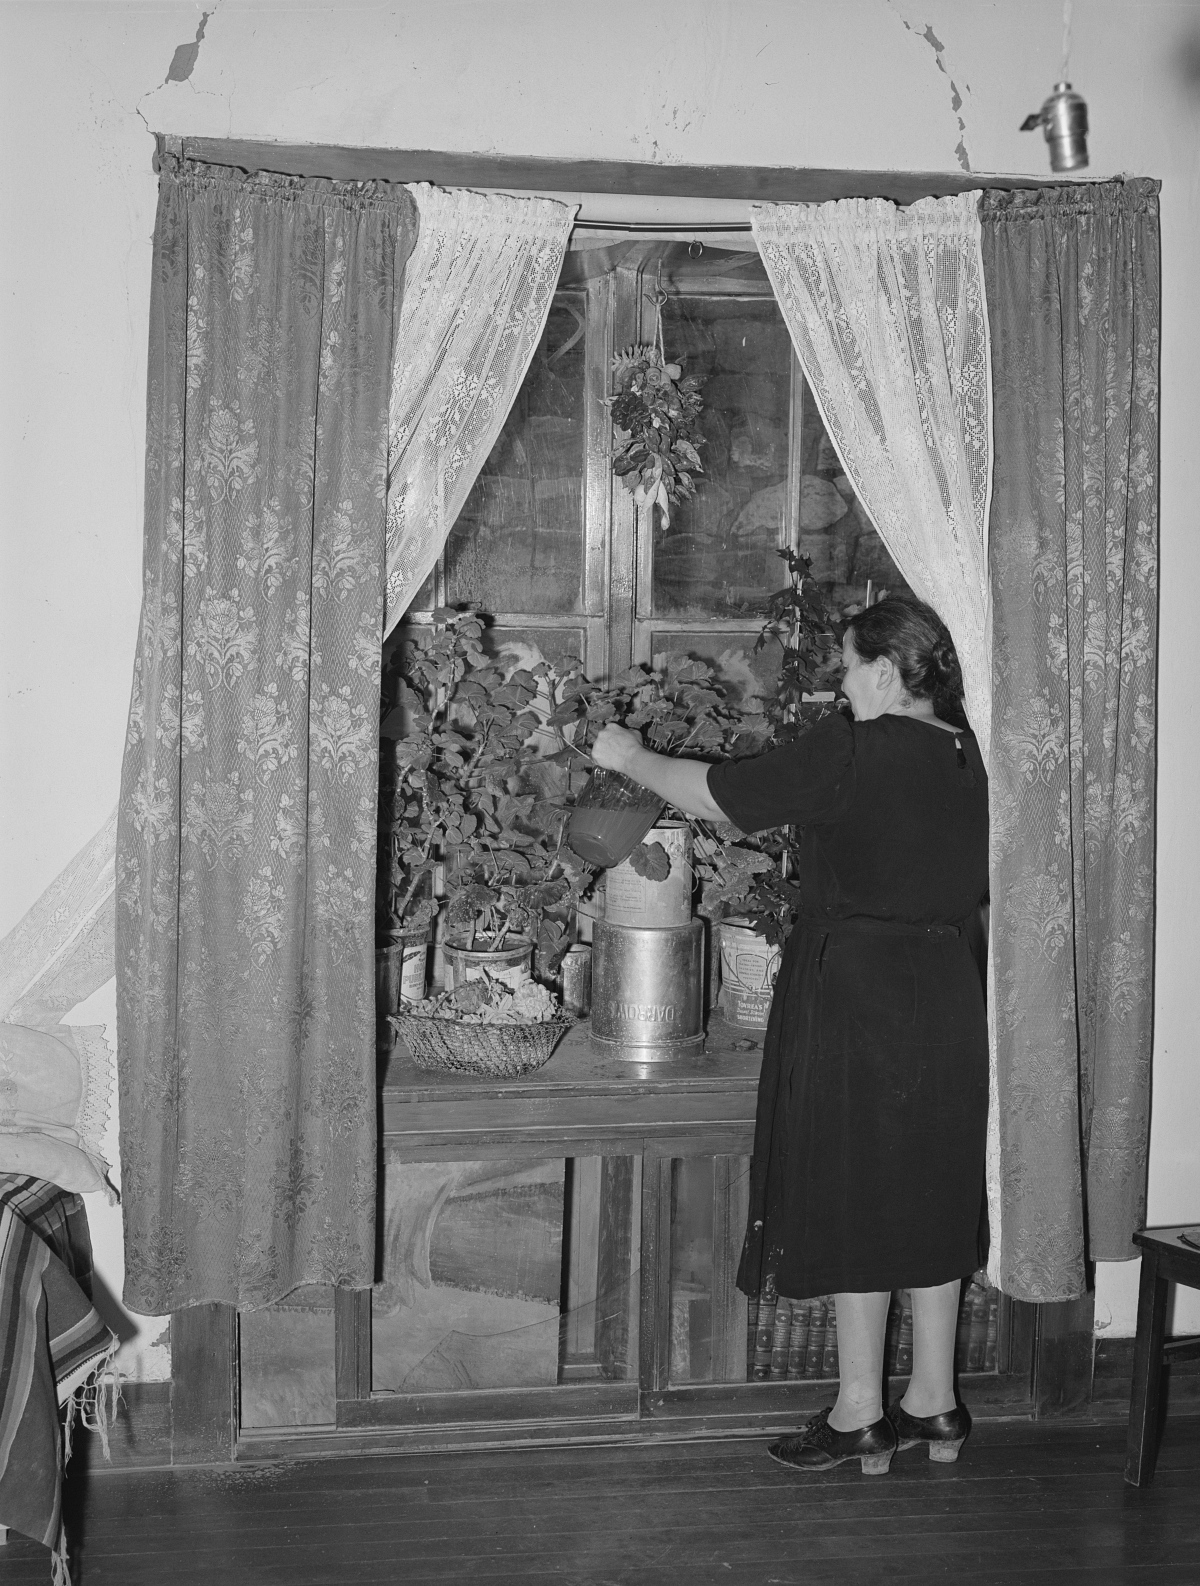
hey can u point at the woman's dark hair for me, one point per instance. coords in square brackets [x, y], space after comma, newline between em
[916, 640]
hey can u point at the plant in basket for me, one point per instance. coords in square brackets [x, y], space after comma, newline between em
[484, 1026]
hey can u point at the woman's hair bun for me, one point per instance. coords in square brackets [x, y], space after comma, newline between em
[916, 639]
[945, 660]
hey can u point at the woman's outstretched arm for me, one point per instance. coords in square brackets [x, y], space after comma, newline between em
[683, 783]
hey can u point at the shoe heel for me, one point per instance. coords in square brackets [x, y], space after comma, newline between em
[876, 1464]
[945, 1453]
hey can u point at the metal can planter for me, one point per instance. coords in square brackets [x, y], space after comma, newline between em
[631, 899]
[388, 969]
[510, 964]
[648, 989]
[413, 967]
[400, 972]
[577, 981]
[749, 965]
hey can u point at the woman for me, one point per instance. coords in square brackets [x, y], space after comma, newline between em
[868, 1167]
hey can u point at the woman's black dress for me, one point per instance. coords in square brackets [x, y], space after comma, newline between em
[868, 1167]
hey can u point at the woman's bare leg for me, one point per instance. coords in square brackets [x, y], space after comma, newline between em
[861, 1319]
[935, 1318]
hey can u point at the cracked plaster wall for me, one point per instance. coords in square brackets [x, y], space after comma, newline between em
[893, 84]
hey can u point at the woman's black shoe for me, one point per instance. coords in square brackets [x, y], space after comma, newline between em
[820, 1447]
[945, 1433]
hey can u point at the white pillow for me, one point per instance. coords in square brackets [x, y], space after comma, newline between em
[54, 1093]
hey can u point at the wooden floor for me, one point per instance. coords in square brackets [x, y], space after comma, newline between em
[1024, 1504]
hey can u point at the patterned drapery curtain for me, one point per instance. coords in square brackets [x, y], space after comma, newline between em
[477, 292]
[886, 311]
[1072, 279]
[246, 843]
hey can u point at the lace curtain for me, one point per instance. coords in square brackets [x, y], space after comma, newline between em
[246, 839]
[477, 292]
[886, 311]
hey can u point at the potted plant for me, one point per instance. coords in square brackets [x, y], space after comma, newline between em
[469, 806]
[746, 886]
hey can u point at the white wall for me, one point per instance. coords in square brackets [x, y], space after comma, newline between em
[844, 83]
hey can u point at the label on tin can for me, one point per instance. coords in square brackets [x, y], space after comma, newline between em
[577, 981]
[749, 966]
[633, 899]
[412, 971]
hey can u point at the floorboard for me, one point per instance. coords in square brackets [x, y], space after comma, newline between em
[1028, 1504]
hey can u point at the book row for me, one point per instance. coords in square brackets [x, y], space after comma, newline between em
[790, 1340]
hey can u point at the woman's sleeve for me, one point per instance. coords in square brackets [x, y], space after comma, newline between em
[799, 785]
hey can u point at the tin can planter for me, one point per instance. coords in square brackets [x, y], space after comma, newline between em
[648, 989]
[511, 964]
[577, 981]
[633, 899]
[749, 965]
[610, 818]
[400, 972]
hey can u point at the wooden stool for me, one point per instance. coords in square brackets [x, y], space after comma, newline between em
[1165, 1258]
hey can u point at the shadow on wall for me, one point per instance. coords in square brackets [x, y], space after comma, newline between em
[1186, 60]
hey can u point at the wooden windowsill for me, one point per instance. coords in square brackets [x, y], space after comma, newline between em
[586, 1100]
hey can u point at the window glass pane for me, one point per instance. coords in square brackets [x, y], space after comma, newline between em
[691, 1269]
[599, 1336]
[518, 542]
[472, 1275]
[835, 532]
[717, 556]
[731, 655]
[286, 1354]
[526, 646]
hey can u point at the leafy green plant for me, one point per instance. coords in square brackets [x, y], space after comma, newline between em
[809, 635]
[656, 437]
[465, 801]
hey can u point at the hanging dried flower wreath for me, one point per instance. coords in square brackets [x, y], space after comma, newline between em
[655, 414]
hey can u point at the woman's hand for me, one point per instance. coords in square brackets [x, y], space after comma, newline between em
[682, 783]
[616, 748]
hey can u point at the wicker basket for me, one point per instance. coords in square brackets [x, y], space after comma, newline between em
[501, 1050]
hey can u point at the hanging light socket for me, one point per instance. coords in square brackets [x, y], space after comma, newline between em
[1065, 120]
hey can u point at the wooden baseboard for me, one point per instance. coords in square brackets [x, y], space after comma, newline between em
[141, 1433]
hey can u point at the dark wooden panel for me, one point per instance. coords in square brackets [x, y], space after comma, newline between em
[616, 1284]
[1018, 1339]
[352, 1343]
[204, 1383]
[592, 1401]
[1146, 1394]
[654, 1341]
[141, 1433]
[771, 184]
[697, 1138]
[1062, 1380]
[731, 1200]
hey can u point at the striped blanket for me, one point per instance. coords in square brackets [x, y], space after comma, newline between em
[51, 1343]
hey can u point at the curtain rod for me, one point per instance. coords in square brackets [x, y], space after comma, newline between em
[671, 226]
